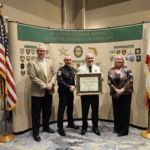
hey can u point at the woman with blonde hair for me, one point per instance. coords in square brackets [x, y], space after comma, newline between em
[120, 80]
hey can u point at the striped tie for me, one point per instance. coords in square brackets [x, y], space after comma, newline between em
[45, 70]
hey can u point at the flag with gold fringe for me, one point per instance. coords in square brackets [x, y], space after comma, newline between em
[6, 72]
[147, 73]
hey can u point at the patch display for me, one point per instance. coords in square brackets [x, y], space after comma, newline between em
[132, 58]
[28, 51]
[22, 66]
[47, 57]
[60, 65]
[112, 51]
[138, 58]
[126, 58]
[22, 72]
[63, 51]
[130, 51]
[118, 51]
[98, 64]
[21, 50]
[78, 65]
[78, 51]
[28, 58]
[111, 59]
[22, 58]
[33, 51]
[72, 65]
[123, 52]
[137, 51]
[47, 52]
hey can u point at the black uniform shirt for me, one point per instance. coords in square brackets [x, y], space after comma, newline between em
[65, 78]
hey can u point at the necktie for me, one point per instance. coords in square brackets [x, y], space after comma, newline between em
[45, 71]
[90, 69]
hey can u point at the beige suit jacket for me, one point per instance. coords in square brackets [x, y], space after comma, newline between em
[38, 77]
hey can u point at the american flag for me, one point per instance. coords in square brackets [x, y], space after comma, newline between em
[6, 72]
[147, 73]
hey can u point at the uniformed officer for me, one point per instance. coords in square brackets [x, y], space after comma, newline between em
[66, 83]
[86, 100]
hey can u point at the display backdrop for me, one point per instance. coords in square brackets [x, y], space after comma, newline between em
[131, 41]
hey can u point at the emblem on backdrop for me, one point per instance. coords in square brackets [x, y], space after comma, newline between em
[138, 58]
[94, 49]
[78, 65]
[28, 58]
[130, 51]
[33, 51]
[137, 51]
[111, 59]
[118, 51]
[72, 64]
[78, 51]
[33, 58]
[63, 51]
[132, 58]
[21, 50]
[126, 58]
[22, 72]
[98, 64]
[28, 51]
[47, 57]
[22, 66]
[22, 58]
[47, 52]
[60, 65]
[123, 52]
[112, 51]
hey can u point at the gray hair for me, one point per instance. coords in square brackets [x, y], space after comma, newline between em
[124, 61]
[41, 45]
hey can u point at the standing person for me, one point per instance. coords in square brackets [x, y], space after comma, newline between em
[43, 80]
[86, 100]
[66, 83]
[120, 80]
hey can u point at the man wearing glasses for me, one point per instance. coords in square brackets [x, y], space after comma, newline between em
[43, 80]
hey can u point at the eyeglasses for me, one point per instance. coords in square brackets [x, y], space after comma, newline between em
[41, 51]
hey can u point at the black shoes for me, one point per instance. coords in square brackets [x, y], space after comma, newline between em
[49, 130]
[73, 126]
[83, 131]
[96, 131]
[120, 134]
[36, 137]
[61, 132]
[115, 131]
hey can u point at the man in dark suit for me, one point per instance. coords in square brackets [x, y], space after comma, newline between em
[66, 83]
[43, 80]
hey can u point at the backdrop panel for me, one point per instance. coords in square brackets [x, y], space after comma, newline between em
[102, 51]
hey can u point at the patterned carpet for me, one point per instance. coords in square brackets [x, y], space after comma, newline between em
[75, 141]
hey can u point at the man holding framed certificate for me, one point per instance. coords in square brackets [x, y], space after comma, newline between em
[88, 81]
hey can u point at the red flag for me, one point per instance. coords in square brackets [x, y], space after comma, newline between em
[6, 71]
[147, 73]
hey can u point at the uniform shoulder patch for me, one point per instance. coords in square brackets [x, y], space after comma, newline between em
[59, 73]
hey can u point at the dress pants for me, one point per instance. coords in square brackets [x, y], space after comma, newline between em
[121, 110]
[38, 104]
[85, 102]
[65, 99]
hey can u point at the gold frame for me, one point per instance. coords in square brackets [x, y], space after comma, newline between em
[88, 74]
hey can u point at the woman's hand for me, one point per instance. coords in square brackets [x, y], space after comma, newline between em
[118, 91]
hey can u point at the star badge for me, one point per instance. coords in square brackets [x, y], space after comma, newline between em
[63, 51]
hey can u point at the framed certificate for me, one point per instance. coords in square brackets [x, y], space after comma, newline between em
[88, 83]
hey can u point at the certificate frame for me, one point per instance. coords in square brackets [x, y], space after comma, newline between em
[97, 75]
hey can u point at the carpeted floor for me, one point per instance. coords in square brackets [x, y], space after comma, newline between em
[75, 141]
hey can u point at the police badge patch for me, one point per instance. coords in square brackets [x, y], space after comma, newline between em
[28, 58]
[78, 51]
[132, 58]
[22, 72]
[123, 52]
[47, 52]
[21, 50]
[111, 59]
[59, 73]
[22, 66]
[130, 51]
[33, 51]
[78, 65]
[137, 51]
[138, 58]
[33, 58]
[118, 51]
[28, 51]
[22, 58]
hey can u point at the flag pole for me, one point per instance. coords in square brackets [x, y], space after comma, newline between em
[6, 137]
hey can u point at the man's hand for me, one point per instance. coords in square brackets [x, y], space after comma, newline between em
[49, 86]
[102, 78]
[72, 88]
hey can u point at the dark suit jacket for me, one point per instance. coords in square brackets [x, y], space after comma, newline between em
[126, 81]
